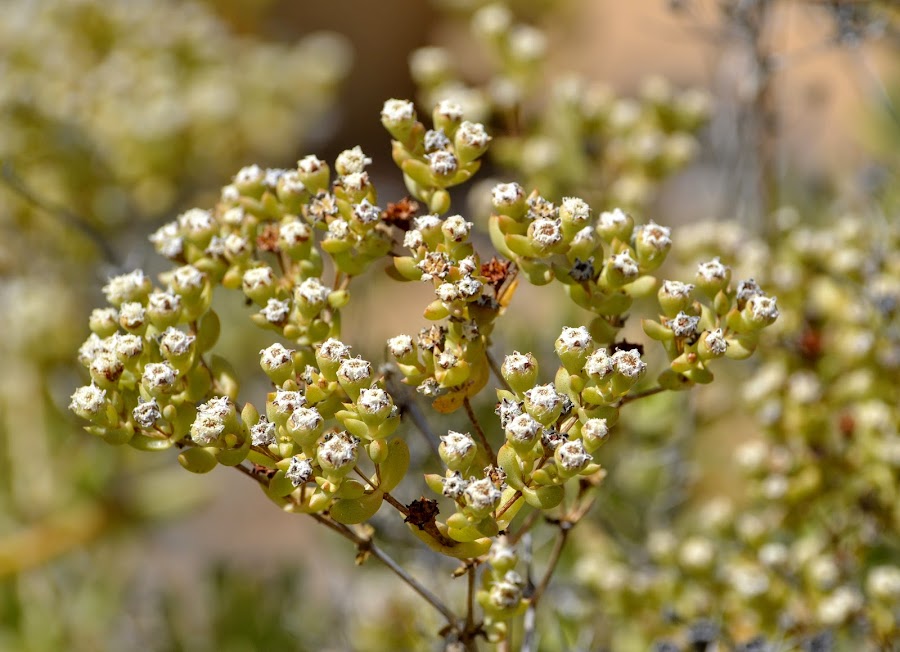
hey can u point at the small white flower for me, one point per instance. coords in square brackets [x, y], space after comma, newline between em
[354, 370]
[276, 356]
[352, 160]
[469, 287]
[576, 209]
[625, 265]
[677, 289]
[127, 287]
[599, 364]
[294, 233]
[400, 345]
[210, 421]
[236, 246]
[571, 455]
[398, 111]
[456, 228]
[366, 212]
[472, 134]
[523, 428]
[132, 315]
[88, 400]
[454, 486]
[257, 278]
[263, 433]
[612, 220]
[449, 110]
[544, 397]
[333, 350]
[249, 174]
[187, 277]
[306, 420]
[300, 471]
[628, 363]
[447, 292]
[595, 431]
[196, 220]
[436, 139]
[338, 229]
[355, 181]
[127, 345]
[310, 164]
[482, 494]
[164, 303]
[146, 414]
[311, 292]
[715, 341]
[712, 270]
[684, 325]
[545, 232]
[285, 402]
[655, 236]
[413, 239]
[167, 240]
[276, 312]
[234, 216]
[338, 451]
[507, 194]
[574, 339]
[175, 342]
[442, 163]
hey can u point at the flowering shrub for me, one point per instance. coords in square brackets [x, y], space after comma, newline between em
[327, 440]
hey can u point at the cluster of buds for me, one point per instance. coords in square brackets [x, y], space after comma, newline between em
[583, 139]
[433, 160]
[155, 112]
[803, 556]
[291, 241]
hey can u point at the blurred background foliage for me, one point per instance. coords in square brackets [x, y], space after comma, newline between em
[769, 136]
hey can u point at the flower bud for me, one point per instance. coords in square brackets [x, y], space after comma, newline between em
[163, 309]
[651, 244]
[544, 404]
[258, 283]
[399, 118]
[522, 432]
[374, 405]
[305, 426]
[674, 297]
[104, 321]
[329, 355]
[481, 497]
[520, 371]
[338, 453]
[573, 347]
[712, 277]
[457, 450]
[470, 141]
[277, 362]
[571, 458]
[509, 199]
[133, 286]
[615, 225]
[314, 173]
[215, 419]
[159, 379]
[354, 374]
[760, 311]
[712, 345]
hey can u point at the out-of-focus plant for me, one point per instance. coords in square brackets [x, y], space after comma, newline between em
[561, 132]
[138, 103]
[809, 557]
[326, 442]
[110, 113]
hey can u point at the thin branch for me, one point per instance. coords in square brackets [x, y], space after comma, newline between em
[470, 599]
[639, 395]
[528, 641]
[18, 185]
[478, 431]
[492, 363]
